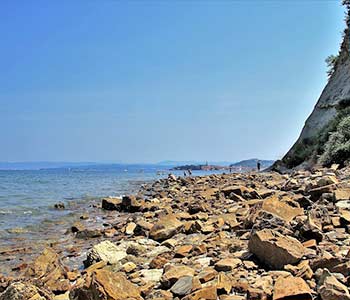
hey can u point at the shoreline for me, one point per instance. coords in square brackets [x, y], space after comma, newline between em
[200, 237]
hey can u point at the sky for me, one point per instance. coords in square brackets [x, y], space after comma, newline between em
[146, 81]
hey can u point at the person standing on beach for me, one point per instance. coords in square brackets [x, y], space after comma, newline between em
[258, 165]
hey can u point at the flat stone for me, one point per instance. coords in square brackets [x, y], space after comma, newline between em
[291, 288]
[173, 273]
[165, 228]
[281, 209]
[227, 264]
[275, 249]
[183, 286]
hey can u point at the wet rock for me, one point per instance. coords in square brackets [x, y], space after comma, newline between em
[291, 288]
[111, 203]
[59, 206]
[105, 251]
[275, 249]
[165, 228]
[88, 234]
[130, 204]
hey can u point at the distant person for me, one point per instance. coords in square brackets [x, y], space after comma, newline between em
[185, 174]
[230, 169]
[189, 172]
[258, 165]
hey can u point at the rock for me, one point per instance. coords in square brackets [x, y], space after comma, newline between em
[77, 226]
[88, 234]
[173, 273]
[130, 204]
[128, 267]
[111, 203]
[291, 288]
[59, 206]
[224, 284]
[105, 251]
[183, 286]
[50, 271]
[227, 264]
[302, 270]
[330, 288]
[207, 293]
[342, 194]
[183, 251]
[25, 291]
[165, 228]
[281, 209]
[152, 275]
[105, 285]
[130, 227]
[274, 249]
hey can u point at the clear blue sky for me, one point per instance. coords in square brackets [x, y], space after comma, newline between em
[144, 81]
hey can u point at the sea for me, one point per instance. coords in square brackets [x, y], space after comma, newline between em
[28, 197]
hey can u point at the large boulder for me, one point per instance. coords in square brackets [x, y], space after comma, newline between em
[275, 249]
[165, 228]
[105, 251]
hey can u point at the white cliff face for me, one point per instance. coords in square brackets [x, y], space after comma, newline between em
[337, 90]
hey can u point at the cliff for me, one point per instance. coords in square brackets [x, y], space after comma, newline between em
[329, 111]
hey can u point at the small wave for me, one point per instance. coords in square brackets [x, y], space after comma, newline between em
[6, 212]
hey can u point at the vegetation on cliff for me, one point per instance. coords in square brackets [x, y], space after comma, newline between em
[325, 138]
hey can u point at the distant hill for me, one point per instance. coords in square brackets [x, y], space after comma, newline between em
[251, 163]
[174, 163]
[41, 165]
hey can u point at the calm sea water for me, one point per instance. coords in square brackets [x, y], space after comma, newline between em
[27, 198]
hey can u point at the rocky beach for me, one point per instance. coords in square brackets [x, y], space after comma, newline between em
[228, 237]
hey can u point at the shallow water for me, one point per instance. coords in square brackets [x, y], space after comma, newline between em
[27, 197]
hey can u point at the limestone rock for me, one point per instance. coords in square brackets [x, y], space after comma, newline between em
[105, 251]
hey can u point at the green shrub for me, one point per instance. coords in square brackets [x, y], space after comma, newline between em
[337, 148]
